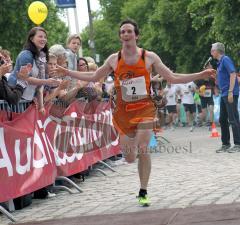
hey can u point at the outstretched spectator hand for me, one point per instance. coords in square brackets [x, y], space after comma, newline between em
[80, 84]
[24, 71]
[63, 84]
[53, 82]
[60, 91]
[42, 111]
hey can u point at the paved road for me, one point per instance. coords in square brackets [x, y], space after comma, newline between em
[185, 172]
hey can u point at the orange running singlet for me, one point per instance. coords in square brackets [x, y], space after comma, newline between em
[133, 103]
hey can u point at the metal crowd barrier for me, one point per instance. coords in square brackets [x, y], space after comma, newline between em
[21, 107]
[60, 103]
[64, 104]
[8, 214]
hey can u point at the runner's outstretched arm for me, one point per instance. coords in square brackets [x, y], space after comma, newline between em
[176, 77]
[101, 72]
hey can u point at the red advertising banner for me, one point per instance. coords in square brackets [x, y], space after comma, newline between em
[35, 149]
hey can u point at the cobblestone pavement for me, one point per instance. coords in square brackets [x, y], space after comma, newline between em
[185, 172]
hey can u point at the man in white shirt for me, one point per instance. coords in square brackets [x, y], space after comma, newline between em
[170, 93]
[187, 91]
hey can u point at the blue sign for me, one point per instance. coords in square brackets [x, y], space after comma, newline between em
[66, 3]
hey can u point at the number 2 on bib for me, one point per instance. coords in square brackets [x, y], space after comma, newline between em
[133, 89]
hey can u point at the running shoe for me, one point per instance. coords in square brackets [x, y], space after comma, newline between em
[235, 148]
[223, 148]
[144, 201]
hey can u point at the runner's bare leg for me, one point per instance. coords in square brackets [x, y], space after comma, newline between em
[144, 162]
[128, 148]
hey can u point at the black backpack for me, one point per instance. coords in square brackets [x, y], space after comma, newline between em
[9, 94]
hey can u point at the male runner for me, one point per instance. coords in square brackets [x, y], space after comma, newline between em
[135, 112]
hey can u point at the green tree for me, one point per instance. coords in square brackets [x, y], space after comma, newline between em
[179, 31]
[105, 30]
[111, 10]
[172, 35]
[226, 26]
[106, 40]
[217, 21]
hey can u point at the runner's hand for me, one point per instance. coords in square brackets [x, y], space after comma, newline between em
[157, 78]
[59, 70]
[208, 73]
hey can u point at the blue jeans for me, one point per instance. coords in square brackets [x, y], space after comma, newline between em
[229, 115]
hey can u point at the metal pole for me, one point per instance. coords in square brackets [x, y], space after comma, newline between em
[76, 21]
[68, 19]
[92, 44]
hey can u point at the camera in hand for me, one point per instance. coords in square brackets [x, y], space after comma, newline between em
[1, 61]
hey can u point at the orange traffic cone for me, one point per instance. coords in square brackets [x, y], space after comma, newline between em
[214, 131]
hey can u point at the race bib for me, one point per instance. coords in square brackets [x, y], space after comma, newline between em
[133, 89]
[208, 93]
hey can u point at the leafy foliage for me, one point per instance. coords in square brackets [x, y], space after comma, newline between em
[15, 24]
[179, 31]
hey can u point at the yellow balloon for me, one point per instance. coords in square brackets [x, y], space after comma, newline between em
[37, 12]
